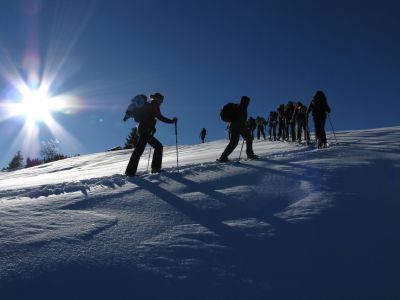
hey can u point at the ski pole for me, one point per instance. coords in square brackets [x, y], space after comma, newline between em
[240, 154]
[176, 144]
[148, 161]
[333, 130]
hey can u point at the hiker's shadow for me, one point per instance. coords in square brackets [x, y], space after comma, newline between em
[228, 235]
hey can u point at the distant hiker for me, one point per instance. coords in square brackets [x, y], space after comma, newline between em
[261, 123]
[203, 133]
[281, 122]
[289, 125]
[236, 116]
[300, 119]
[148, 114]
[251, 125]
[272, 122]
[319, 108]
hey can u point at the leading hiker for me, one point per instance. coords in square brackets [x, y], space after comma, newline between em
[149, 113]
[319, 108]
[237, 127]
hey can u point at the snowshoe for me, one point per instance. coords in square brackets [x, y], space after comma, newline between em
[222, 159]
[252, 157]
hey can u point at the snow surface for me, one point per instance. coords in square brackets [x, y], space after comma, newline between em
[299, 223]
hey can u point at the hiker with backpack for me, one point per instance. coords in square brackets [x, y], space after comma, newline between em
[146, 113]
[203, 133]
[289, 125]
[320, 109]
[236, 116]
[300, 119]
[261, 123]
[272, 122]
[281, 122]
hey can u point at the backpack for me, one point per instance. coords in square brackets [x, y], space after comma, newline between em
[229, 112]
[302, 111]
[273, 115]
[138, 109]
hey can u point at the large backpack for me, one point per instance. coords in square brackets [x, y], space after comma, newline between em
[138, 109]
[302, 110]
[229, 112]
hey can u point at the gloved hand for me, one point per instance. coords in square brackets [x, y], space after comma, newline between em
[175, 120]
[125, 118]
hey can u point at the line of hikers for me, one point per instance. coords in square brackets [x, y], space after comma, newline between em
[289, 122]
[286, 118]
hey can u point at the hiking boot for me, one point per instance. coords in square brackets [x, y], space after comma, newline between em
[222, 159]
[252, 156]
[130, 174]
[155, 171]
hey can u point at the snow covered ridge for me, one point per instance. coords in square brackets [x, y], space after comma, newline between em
[298, 223]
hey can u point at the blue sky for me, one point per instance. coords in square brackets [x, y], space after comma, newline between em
[200, 55]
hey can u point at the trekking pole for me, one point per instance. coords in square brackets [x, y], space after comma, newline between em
[176, 144]
[240, 154]
[333, 130]
[148, 161]
[308, 137]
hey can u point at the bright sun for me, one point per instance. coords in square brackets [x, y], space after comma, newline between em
[36, 105]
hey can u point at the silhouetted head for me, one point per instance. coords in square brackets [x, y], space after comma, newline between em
[299, 104]
[320, 95]
[158, 97]
[245, 100]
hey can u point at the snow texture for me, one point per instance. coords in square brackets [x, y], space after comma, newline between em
[299, 223]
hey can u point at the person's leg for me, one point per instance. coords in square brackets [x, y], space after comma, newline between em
[157, 155]
[249, 142]
[323, 133]
[135, 157]
[293, 131]
[319, 130]
[299, 128]
[286, 131]
[281, 130]
[274, 131]
[234, 140]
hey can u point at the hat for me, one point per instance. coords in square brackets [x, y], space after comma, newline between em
[245, 99]
[157, 96]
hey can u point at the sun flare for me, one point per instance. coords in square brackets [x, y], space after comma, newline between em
[36, 106]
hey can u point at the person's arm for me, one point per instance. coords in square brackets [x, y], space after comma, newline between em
[293, 116]
[328, 109]
[310, 108]
[162, 118]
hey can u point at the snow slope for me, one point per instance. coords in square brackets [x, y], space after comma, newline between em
[300, 223]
